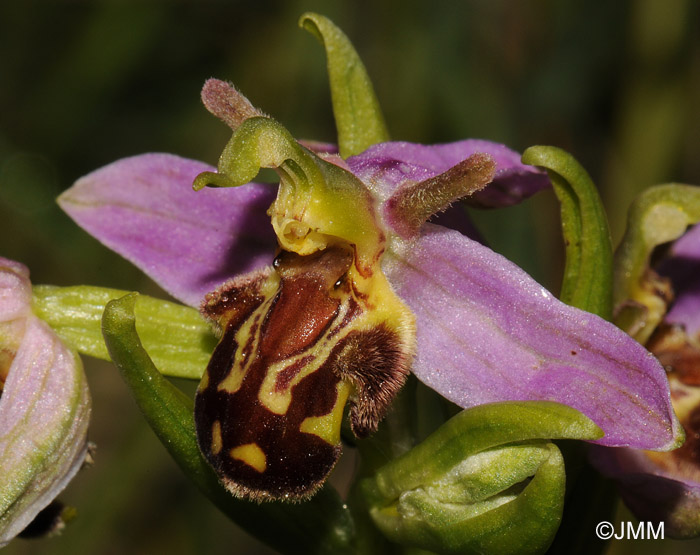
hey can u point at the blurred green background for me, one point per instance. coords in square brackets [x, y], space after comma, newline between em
[85, 83]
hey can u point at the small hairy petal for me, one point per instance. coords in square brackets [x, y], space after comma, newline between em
[413, 204]
[44, 413]
[683, 267]
[488, 332]
[386, 166]
[226, 103]
[189, 242]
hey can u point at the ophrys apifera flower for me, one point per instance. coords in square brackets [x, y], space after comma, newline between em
[342, 288]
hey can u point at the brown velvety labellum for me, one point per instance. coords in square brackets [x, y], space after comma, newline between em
[297, 343]
[260, 450]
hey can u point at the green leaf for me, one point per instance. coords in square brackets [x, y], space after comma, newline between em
[178, 339]
[588, 272]
[321, 525]
[487, 481]
[358, 117]
[659, 215]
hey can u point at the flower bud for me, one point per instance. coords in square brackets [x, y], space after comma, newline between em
[44, 408]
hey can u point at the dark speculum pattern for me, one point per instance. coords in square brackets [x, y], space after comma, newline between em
[292, 341]
[289, 323]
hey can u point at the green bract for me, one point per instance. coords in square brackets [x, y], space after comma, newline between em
[487, 481]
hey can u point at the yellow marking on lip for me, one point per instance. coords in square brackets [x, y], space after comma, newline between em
[278, 401]
[327, 427]
[205, 381]
[216, 440]
[234, 379]
[251, 455]
[383, 306]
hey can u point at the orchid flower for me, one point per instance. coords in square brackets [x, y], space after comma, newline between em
[658, 302]
[332, 287]
[44, 408]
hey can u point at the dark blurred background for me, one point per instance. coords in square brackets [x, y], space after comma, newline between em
[85, 83]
